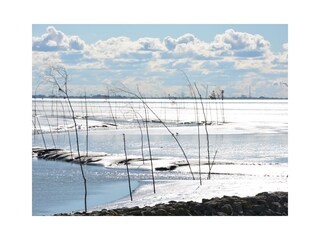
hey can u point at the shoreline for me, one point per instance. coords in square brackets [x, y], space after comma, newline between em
[181, 190]
[262, 204]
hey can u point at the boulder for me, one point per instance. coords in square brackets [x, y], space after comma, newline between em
[263, 204]
[227, 208]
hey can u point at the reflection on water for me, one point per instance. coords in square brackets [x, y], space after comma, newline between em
[58, 187]
[231, 147]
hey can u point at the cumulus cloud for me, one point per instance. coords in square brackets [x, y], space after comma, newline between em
[153, 62]
[112, 48]
[186, 46]
[228, 44]
[55, 40]
[285, 46]
[151, 44]
[171, 43]
[241, 44]
[282, 58]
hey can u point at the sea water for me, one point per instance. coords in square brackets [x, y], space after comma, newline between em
[57, 187]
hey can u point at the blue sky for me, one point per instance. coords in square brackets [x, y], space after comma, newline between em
[229, 57]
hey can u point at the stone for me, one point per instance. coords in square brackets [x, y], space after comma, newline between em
[263, 194]
[204, 200]
[161, 212]
[258, 209]
[249, 213]
[263, 204]
[275, 206]
[213, 204]
[227, 208]
[135, 213]
[221, 214]
[181, 211]
[237, 208]
[246, 205]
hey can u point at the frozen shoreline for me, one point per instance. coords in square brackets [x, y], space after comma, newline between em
[191, 190]
[252, 146]
[261, 204]
[230, 179]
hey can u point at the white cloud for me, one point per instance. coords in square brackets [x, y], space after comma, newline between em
[186, 46]
[153, 62]
[171, 43]
[285, 46]
[283, 56]
[47, 58]
[55, 40]
[151, 44]
[242, 44]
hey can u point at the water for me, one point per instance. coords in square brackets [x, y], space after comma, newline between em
[255, 132]
[231, 147]
[57, 187]
[178, 111]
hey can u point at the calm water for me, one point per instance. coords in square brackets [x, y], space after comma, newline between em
[58, 187]
[231, 147]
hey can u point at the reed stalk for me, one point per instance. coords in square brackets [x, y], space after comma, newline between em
[126, 163]
[205, 125]
[53, 75]
[45, 114]
[66, 126]
[214, 157]
[166, 127]
[141, 133]
[112, 115]
[149, 146]
[87, 127]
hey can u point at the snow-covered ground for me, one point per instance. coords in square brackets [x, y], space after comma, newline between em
[189, 190]
[251, 144]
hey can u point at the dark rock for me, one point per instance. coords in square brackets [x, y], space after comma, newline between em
[214, 204]
[249, 212]
[210, 212]
[180, 211]
[246, 204]
[237, 208]
[263, 194]
[161, 212]
[275, 206]
[263, 204]
[135, 208]
[112, 213]
[227, 208]
[135, 213]
[221, 214]
[204, 200]
[269, 212]
[168, 168]
[258, 208]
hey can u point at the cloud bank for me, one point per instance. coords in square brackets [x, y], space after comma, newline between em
[227, 60]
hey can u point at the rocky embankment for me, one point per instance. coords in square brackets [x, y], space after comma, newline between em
[263, 204]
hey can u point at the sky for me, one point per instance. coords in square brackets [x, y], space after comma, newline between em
[152, 57]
